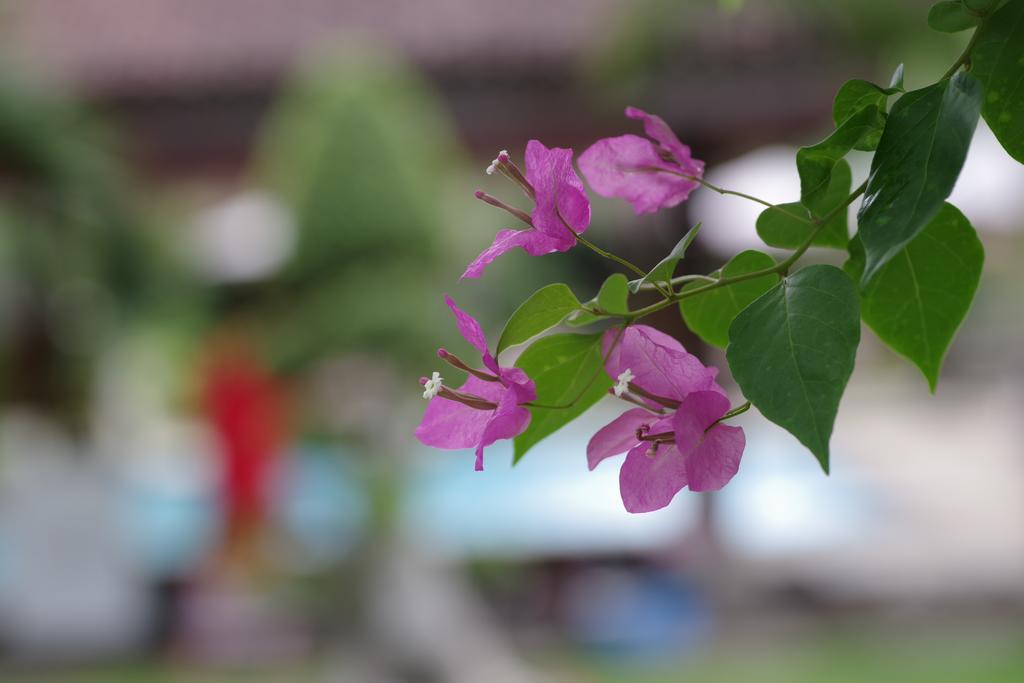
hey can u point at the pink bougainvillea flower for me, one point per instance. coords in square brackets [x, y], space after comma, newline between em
[486, 408]
[673, 439]
[649, 174]
[561, 207]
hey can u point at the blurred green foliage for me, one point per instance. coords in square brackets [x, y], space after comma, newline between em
[651, 42]
[76, 263]
[360, 149]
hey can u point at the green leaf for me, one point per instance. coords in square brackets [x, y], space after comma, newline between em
[896, 82]
[917, 163]
[815, 163]
[792, 352]
[613, 297]
[951, 17]
[710, 314]
[784, 226]
[666, 268]
[856, 95]
[918, 299]
[787, 226]
[545, 308]
[563, 366]
[997, 60]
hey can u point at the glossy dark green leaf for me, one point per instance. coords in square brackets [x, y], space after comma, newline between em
[951, 17]
[792, 352]
[919, 298]
[815, 163]
[545, 308]
[787, 226]
[710, 314]
[917, 163]
[666, 268]
[997, 60]
[564, 367]
[613, 297]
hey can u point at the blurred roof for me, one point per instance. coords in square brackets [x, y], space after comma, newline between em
[191, 79]
[116, 45]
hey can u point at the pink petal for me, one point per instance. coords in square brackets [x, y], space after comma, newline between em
[453, 425]
[717, 460]
[712, 456]
[560, 193]
[507, 421]
[518, 381]
[618, 436]
[659, 363]
[650, 483]
[656, 128]
[625, 167]
[469, 328]
[533, 242]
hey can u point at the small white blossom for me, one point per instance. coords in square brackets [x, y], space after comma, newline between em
[432, 386]
[623, 384]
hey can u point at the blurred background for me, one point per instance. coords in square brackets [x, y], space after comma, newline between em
[225, 230]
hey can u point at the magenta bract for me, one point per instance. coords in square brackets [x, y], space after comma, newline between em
[561, 204]
[674, 442]
[648, 174]
[453, 425]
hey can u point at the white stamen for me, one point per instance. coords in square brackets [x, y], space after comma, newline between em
[432, 386]
[497, 162]
[623, 384]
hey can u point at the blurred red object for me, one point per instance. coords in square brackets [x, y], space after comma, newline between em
[246, 407]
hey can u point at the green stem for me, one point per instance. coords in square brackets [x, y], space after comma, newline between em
[744, 195]
[965, 56]
[618, 259]
[608, 255]
[681, 280]
[738, 410]
[780, 267]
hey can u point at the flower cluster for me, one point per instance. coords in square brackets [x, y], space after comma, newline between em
[673, 436]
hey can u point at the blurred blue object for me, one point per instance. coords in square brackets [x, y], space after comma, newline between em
[781, 504]
[548, 505]
[637, 613]
[170, 511]
[320, 504]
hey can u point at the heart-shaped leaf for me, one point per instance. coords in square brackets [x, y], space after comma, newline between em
[918, 299]
[792, 352]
